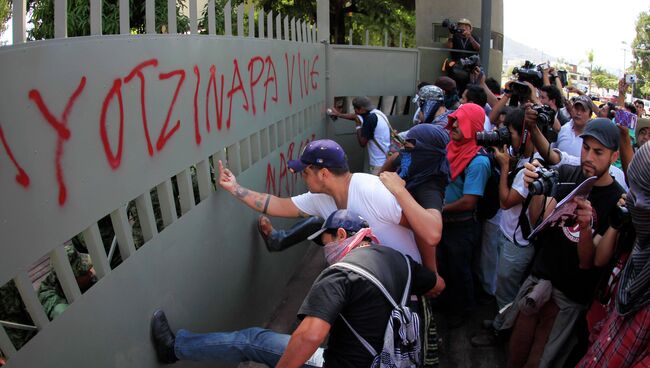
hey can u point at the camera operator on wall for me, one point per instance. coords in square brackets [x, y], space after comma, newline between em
[461, 38]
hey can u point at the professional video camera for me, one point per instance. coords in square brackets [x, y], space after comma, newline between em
[545, 184]
[451, 26]
[469, 63]
[545, 118]
[562, 74]
[530, 72]
[495, 138]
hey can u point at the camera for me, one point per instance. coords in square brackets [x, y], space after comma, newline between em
[469, 63]
[545, 118]
[451, 26]
[495, 138]
[545, 184]
[619, 217]
[530, 72]
[562, 74]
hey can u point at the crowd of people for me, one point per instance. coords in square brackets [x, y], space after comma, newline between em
[520, 196]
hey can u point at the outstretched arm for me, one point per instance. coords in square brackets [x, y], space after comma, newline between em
[304, 341]
[260, 202]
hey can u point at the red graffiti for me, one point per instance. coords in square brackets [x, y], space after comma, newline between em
[164, 136]
[270, 78]
[286, 179]
[197, 134]
[137, 71]
[289, 76]
[218, 98]
[114, 160]
[300, 68]
[254, 80]
[313, 73]
[233, 90]
[270, 178]
[21, 178]
[61, 127]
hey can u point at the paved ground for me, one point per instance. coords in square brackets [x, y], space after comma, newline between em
[455, 349]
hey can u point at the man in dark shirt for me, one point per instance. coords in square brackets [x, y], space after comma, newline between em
[463, 40]
[336, 292]
[566, 252]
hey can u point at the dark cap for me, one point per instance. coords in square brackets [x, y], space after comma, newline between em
[604, 131]
[346, 219]
[322, 153]
[584, 101]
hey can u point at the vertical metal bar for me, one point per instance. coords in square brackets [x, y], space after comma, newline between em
[124, 17]
[323, 20]
[294, 36]
[171, 17]
[401, 34]
[303, 36]
[212, 27]
[240, 20]
[204, 179]
[95, 17]
[269, 25]
[123, 232]
[185, 191]
[6, 346]
[219, 156]
[309, 33]
[245, 154]
[251, 21]
[350, 36]
[194, 23]
[234, 164]
[260, 23]
[60, 18]
[146, 216]
[96, 250]
[19, 22]
[166, 201]
[150, 10]
[64, 274]
[486, 33]
[385, 38]
[278, 27]
[33, 306]
[367, 37]
[227, 16]
[298, 30]
[286, 28]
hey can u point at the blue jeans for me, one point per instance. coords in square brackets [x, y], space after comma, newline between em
[249, 345]
[280, 240]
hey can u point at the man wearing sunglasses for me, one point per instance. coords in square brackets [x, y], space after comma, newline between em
[323, 166]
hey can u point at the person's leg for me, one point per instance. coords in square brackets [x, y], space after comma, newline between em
[521, 340]
[278, 240]
[457, 247]
[487, 270]
[251, 344]
[547, 315]
[513, 264]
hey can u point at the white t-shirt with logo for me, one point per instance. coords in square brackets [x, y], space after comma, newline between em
[369, 198]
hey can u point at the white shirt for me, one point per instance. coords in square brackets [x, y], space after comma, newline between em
[381, 135]
[568, 141]
[510, 217]
[369, 198]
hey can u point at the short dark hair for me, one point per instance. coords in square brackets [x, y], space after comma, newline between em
[493, 85]
[639, 102]
[554, 94]
[515, 118]
[476, 94]
[362, 102]
[630, 107]
[336, 171]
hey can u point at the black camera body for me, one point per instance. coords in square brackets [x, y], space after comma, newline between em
[469, 63]
[530, 72]
[451, 26]
[545, 119]
[545, 184]
[495, 138]
[619, 217]
[562, 74]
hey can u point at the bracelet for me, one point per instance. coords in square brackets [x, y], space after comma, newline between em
[266, 205]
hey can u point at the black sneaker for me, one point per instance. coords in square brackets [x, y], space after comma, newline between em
[163, 338]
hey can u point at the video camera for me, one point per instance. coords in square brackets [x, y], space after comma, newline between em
[495, 138]
[562, 74]
[469, 63]
[545, 184]
[530, 72]
[451, 26]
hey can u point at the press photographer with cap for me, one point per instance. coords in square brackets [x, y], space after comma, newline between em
[462, 39]
[565, 263]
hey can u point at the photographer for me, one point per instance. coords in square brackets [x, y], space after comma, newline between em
[461, 38]
[567, 250]
[552, 97]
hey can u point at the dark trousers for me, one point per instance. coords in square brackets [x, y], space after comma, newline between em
[280, 240]
[455, 256]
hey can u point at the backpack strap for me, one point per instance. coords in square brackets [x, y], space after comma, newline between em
[363, 341]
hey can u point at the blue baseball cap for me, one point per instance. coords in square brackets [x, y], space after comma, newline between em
[322, 153]
[346, 219]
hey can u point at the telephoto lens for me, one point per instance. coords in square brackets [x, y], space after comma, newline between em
[495, 138]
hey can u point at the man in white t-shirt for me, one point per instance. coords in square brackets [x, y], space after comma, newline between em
[372, 130]
[323, 166]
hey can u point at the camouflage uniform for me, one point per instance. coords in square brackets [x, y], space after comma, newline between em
[50, 293]
[12, 309]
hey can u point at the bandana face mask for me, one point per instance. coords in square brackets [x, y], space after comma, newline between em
[336, 250]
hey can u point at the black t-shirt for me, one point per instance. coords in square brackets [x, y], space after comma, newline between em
[557, 259]
[461, 43]
[369, 125]
[360, 301]
[429, 195]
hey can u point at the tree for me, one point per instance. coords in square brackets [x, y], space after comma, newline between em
[590, 59]
[5, 14]
[641, 53]
[79, 17]
[603, 78]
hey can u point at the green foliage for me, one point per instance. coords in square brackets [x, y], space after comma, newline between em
[5, 14]
[79, 17]
[603, 79]
[641, 52]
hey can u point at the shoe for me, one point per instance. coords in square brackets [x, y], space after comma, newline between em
[484, 339]
[163, 338]
[261, 222]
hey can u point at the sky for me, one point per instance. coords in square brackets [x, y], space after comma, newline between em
[570, 28]
[567, 28]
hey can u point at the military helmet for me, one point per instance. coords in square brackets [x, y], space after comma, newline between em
[80, 262]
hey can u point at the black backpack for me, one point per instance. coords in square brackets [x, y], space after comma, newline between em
[488, 205]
